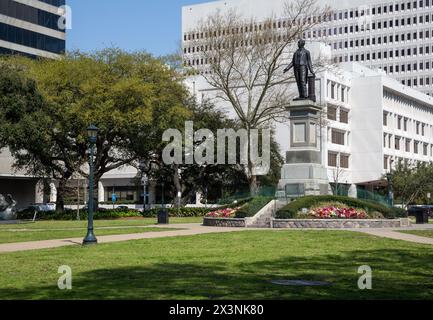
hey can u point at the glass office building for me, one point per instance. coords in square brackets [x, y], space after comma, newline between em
[31, 27]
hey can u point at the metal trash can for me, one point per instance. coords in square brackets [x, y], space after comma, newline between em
[421, 213]
[163, 217]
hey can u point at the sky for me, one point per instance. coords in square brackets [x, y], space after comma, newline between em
[151, 25]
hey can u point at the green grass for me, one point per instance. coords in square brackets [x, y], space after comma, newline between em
[225, 266]
[47, 230]
[421, 233]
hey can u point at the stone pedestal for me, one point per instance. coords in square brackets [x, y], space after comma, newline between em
[304, 173]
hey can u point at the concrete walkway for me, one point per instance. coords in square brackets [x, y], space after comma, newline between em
[186, 230]
[196, 229]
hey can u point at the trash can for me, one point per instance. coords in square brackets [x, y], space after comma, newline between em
[422, 215]
[163, 217]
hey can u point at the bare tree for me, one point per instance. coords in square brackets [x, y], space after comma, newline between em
[244, 60]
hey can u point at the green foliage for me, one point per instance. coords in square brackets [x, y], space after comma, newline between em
[106, 214]
[72, 214]
[46, 106]
[180, 213]
[253, 207]
[412, 182]
[291, 210]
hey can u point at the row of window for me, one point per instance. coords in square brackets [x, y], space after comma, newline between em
[5, 51]
[390, 161]
[33, 15]
[381, 9]
[31, 39]
[56, 3]
[343, 115]
[387, 39]
[331, 17]
[338, 160]
[403, 123]
[337, 91]
[391, 54]
[323, 32]
[407, 145]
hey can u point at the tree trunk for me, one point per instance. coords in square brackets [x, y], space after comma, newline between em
[61, 189]
[254, 190]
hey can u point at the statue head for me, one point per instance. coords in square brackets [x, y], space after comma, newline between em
[301, 43]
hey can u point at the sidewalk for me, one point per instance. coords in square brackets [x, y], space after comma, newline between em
[187, 230]
[197, 229]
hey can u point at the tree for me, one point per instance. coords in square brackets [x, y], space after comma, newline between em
[411, 183]
[244, 60]
[41, 138]
[128, 96]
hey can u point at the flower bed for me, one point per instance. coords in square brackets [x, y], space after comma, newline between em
[223, 213]
[337, 213]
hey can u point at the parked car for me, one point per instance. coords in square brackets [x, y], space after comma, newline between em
[412, 210]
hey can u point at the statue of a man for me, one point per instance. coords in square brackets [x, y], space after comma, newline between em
[302, 65]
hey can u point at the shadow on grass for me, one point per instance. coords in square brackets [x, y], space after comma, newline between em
[397, 274]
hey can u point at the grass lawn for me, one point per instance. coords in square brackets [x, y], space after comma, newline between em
[421, 233]
[47, 230]
[225, 266]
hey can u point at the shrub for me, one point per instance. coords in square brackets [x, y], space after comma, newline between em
[251, 208]
[291, 210]
[179, 212]
[102, 214]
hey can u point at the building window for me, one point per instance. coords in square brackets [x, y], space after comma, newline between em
[332, 159]
[385, 119]
[344, 116]
[397, 143]
[344, 161]
[415, 147]
[338, 137]
[332, 113]
[385, 163]
[408, 145]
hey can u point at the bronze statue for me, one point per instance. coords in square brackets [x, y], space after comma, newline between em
[301, 64]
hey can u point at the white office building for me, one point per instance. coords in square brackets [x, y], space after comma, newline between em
[393, 35]
[374, 119]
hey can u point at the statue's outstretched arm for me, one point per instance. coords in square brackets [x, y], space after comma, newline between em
[290, 66]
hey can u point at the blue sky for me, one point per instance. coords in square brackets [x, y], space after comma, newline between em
[152, 25]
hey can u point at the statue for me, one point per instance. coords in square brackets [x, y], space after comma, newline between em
[7, 208]
[302, 64]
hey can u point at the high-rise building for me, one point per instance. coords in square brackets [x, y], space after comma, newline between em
[393, 35]
[32, 28]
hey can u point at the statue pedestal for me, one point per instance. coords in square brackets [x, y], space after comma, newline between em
[304, 173]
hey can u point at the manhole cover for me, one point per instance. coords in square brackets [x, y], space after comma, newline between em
[300, 283]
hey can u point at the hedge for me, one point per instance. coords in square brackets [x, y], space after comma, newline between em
[106, 214]
[251, 208]
[291, 210]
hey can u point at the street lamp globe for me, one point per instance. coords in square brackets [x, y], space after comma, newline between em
[92, 133]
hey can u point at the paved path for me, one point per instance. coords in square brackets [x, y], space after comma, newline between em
[186, 230]
[196, 229]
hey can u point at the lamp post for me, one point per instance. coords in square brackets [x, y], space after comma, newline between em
[144, 167]
[390, 189]
[92, 133]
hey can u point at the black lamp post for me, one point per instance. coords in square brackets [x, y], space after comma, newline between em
[92, 133]
[144, 167]
[163, 213]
